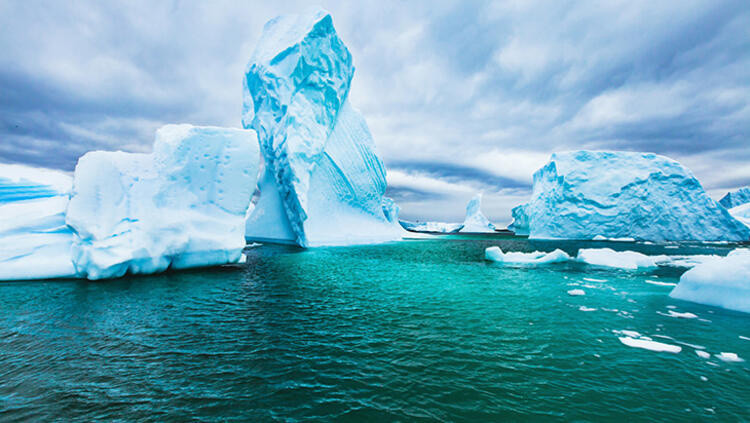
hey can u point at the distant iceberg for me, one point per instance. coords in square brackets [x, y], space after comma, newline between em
[537, 257]
[736, 198]
[582, 194]
[475, 221]
[721, 282]
[323, 183]
[35, 242]
[441, 227]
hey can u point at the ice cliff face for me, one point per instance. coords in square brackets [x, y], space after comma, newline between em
[35, 243]
[582, 194]
[323, 184]
[475, 221]
[741, 213]
[736, 198]
[520, 224]
[181, 206]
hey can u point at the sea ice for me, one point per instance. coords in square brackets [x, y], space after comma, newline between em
[475, 221]
[537, 257]
[582, 194]
[630, 260]
[650, 345]
[323, 183]
[660, 283]
[703, 354]
[736, 198]
[576, 292]
[181, 206]
[722, 282]
[35, 242]
[729, 357]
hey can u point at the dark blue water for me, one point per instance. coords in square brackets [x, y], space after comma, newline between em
[419, 330]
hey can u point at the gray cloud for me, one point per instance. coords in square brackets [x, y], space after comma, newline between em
[469, 94]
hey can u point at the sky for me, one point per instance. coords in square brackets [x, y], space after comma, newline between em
[461, 97]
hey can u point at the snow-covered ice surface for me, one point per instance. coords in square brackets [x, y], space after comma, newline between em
[722, 282]
[582, 194]
[442, 227]
[323, 176]
[537, 257]
[741, 213]
[35, 243]
[181, 206]
[736, 198]
[475, 221]
[620, 259]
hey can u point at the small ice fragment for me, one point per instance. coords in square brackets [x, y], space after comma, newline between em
[703, 378]
[650, 345]
[671, 307]
[630, 333]
[729, 357]
[576, 292]
[661, 283]
[595, 280]
[745, 338]
[703, 354]
[584, 308]
[672, 313]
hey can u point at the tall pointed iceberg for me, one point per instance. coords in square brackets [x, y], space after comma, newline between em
[322, 183]
[475, 220]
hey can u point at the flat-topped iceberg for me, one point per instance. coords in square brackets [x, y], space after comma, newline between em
[721, 282]
[323, 183]
[582, 194]
[35, 242]
[475, 221]
[441, 227]
[181, 206]
[736, 198]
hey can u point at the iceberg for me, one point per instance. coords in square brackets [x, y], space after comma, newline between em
[475, 221]
[721, 282]
[537, 257]
[741, 213]
[582, 194]
[520, 224]
[440, 227]
[35, 242]
[182, 206]
[323, 183]
[736, 198]
[607, 257]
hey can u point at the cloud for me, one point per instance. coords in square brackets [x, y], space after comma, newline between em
[460, 97]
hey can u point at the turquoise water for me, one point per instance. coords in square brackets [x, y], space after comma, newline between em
[418, 330]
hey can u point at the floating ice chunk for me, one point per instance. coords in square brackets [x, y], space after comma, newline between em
[649, 345]
[729, 357]
[576, 292]
[584, 308]
[323, 177]
[622, 239]
[630, 260]
[595, 280]
[475, 221]
[722, 282]
[703, 378]
[581, 194]
[660, 283]
[537, 257]
[672, 313]
[745, 338]
[35, 243]
[736, 198]
[703, 354]
[182, 206]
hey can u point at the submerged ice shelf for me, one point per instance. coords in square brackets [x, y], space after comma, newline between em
[323, 182]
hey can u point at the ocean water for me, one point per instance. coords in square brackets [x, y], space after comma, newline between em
[409, 331]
